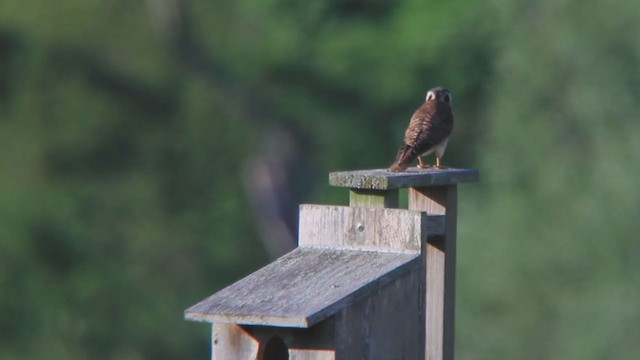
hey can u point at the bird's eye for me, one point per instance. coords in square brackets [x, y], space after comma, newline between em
[430, 96]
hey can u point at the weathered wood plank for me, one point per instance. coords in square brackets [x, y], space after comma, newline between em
[374, 198]
[232, 342]
[342, 227]
[434, 302]
[303, 287]
[304, 354]
[386, 325]
[440, 267]
[382, 179]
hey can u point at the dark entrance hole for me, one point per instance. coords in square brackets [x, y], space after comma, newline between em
[276, 349]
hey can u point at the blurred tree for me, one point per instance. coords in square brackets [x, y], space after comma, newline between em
[547, 262]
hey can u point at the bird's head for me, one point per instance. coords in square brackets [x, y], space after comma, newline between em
[439, 94]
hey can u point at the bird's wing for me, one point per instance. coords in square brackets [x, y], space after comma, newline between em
[431, 124]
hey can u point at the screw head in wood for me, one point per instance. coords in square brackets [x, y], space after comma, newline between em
[360, 227]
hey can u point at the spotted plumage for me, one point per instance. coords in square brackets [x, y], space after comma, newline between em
[428, 131]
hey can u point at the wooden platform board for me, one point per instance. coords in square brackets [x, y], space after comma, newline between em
[382, 179]
[303, 287]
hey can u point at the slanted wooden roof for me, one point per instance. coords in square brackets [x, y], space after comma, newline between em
[303, 287]
[382, 179]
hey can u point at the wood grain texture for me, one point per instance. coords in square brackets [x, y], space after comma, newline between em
[303, 287]
[382, 179]
[374, 198]
[232, 342]
[440, 267]
[355, 228]
[304, 354]
[434, 302]
[386, 325]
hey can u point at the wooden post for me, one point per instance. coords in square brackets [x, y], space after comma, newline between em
[373, 198]
[435, 192]
[440, 268]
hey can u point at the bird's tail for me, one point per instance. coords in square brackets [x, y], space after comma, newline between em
[395, 167]
[403, 159]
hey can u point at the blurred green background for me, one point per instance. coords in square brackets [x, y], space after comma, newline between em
[154, 151]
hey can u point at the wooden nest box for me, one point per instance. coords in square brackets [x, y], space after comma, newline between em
[368, 281]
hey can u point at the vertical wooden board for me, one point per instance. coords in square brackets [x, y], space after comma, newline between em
[374, 198]
[433, 200]
[440, 264]
[434, 302]
[305, 354]
[451, 242]
[342, 227]
[232, 342]
[387, 325]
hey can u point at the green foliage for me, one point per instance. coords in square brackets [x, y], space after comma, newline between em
[127, 128]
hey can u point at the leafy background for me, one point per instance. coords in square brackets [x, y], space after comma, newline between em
[152, 152]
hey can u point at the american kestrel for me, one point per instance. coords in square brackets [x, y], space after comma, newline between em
[428, 131]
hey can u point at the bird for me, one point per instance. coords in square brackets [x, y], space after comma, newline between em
[428, 131]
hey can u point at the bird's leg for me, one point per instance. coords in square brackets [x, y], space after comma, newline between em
[438, 166]
[421, 164]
